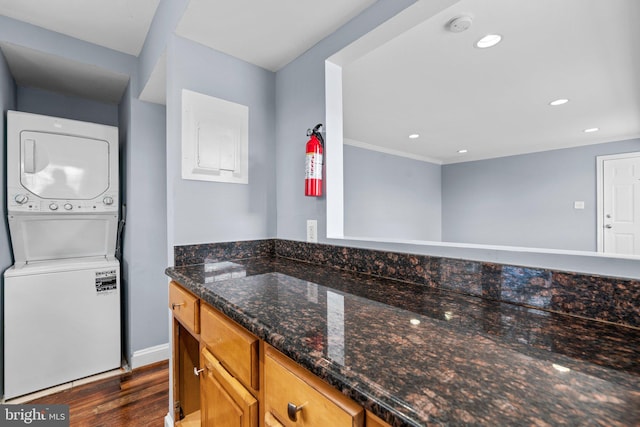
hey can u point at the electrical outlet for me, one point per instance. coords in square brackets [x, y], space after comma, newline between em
[312, 231]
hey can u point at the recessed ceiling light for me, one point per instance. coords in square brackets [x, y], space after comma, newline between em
[559, 102]
[488, 41]
[591, 130]
[462, 151]
[414, 136]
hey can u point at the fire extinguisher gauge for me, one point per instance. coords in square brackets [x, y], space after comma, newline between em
[316, 132]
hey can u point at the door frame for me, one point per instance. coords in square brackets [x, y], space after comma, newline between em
[600, 193]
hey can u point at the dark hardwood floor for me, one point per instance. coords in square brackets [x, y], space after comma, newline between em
[138, 398]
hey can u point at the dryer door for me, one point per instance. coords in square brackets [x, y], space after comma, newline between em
[57, 166]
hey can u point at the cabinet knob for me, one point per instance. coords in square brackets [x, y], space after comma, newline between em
[292, 410]
[174, 305]
[197, 371]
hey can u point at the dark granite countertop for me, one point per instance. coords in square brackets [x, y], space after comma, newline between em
[418, 356]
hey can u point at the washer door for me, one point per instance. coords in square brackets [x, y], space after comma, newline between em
[57, 166]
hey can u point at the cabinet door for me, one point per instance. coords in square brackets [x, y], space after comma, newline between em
[224, 401]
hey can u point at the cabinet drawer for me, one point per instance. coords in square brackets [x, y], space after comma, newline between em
[234, 346]
[185, 307]
[287, 387]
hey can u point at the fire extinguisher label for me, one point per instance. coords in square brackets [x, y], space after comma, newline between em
[313, 166]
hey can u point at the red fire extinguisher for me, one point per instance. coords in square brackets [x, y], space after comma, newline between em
[313, 164]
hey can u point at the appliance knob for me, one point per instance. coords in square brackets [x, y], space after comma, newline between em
[108, 200]
[68, 206]
[21, 199]
[53, 206]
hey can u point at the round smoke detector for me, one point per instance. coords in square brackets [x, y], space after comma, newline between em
[459, 24]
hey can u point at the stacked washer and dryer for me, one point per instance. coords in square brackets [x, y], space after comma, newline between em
[62, 295]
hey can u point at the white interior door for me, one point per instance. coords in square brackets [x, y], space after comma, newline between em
[620, 214]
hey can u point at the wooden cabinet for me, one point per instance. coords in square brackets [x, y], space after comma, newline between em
[186, 350]
[271, 421]
[185, 307]
[372, 420]
[295, 397]
[224, 401]
[225, 376]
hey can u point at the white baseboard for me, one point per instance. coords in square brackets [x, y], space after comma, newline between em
[168, 420]
[150, 355]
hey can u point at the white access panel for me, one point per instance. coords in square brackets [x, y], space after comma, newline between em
[215, 139]
[61, 323]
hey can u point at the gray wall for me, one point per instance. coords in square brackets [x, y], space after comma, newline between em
[390, 196]
[168, 14]
[7, 102]
[201, 211]
[32, 37]
[300, 104]
[38, 101]
[526, 200]
[144, 285]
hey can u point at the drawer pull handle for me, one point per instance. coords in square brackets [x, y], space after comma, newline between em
[292, 411]
[197, 371]
[174, 305]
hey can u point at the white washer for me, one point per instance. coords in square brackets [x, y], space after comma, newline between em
[62, 323]
[62, 296]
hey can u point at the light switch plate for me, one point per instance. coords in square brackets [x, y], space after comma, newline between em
[312, 231]
[578, 205]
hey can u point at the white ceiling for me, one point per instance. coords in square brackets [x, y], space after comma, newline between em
[121, 25]
[269, 34]
[494, 102]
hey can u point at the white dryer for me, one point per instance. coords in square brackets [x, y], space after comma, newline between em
[62, 296]
[62, 187]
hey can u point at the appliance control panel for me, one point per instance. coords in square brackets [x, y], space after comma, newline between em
[24, 201]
